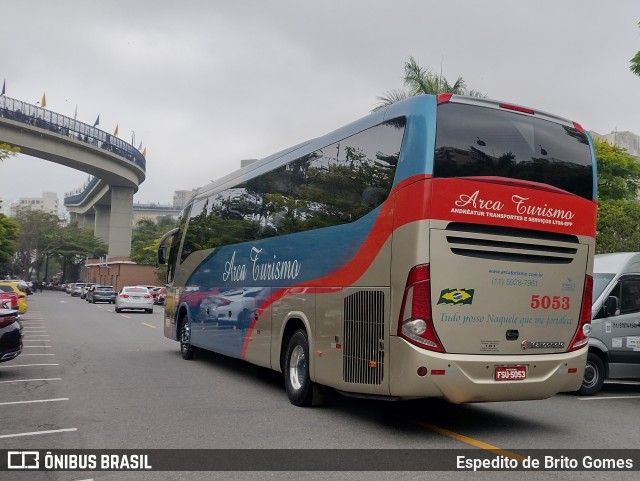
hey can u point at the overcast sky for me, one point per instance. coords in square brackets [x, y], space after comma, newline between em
[204, 84]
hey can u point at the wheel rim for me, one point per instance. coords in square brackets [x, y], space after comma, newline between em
[590, 375]
[184, 337]
[297, 367]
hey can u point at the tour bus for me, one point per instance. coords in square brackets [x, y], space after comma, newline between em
[439, 247]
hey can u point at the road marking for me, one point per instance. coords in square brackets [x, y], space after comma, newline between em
[30, 380]
[471, 441]
[126, 317]
[149, 325]
[35, 346]
[36, 433]
[607, 397]
[26, 365]
[36, 401]
[38, 354]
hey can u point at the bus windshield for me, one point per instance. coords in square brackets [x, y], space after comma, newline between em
[476, 141]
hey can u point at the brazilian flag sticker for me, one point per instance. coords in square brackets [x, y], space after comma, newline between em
[456, 296]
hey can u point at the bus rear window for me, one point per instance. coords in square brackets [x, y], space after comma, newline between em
[479, 141]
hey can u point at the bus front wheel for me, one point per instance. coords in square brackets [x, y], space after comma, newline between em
[593, 376]
[296, 370]
[186, 349]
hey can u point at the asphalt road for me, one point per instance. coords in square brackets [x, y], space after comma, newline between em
[89, 378]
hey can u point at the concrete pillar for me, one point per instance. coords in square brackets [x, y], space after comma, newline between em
[121, 221]
[102, 222]
[83, 220]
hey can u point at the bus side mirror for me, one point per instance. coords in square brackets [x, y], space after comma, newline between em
[611, 306]
[162, 246]
[162, 255]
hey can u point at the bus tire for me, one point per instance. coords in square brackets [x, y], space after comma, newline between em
[594, 375]
[186, 349]
[296, 370]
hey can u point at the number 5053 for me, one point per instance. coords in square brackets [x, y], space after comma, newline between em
[549, 302]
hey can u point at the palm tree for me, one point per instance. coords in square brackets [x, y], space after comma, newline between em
[419, 80]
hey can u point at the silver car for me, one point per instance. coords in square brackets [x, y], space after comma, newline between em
[77, 289]
[134, 297]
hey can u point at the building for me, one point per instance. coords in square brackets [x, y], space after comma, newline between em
[181, 197]
[154, 211]
[47, 203]
[119, 272]
[625, 140]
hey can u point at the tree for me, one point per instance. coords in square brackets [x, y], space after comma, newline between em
[635, 62]
[8, 237]
[618, 227]
[145, 238]
[75, 245]
[618, 172]
[419, 80]
[7, 151]
[38, 233]
[42, 235]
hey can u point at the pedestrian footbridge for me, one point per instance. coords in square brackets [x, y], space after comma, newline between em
[117, 167]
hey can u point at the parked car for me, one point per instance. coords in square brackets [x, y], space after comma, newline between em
[614, 344]
[24, 286]
[8, 300]
[160, 296]
[134, 297]
[8, 286]
[77, 289]
[89, 289]
[101, 293]
[85, 289]
[154, 292]
[10, 334]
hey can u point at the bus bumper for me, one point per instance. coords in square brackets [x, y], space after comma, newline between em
[463, 378]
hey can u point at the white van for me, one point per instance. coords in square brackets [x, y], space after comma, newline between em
[614, 345]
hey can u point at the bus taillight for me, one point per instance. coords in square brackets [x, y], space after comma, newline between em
[579, 127]
[443, 98]
[581, 337]
[517, 108]
[415, 323]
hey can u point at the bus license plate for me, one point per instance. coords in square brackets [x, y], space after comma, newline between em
[510, 373]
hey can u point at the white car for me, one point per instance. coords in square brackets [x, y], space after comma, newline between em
[77, 289]
[134, 297]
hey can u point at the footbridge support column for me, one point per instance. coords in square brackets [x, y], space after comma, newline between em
[103, 220]
[121, 221]
[83, 220]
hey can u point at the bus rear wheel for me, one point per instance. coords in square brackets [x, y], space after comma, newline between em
[186, 349]
[296, 370]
